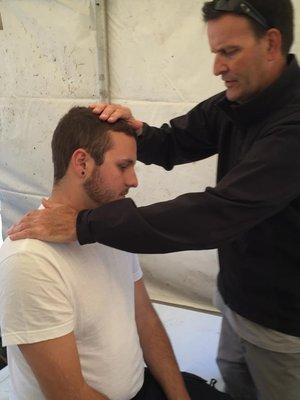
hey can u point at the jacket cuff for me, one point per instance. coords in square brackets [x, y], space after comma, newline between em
[144, 129]
[84, 234]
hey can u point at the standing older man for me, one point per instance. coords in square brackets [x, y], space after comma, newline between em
[252, 215]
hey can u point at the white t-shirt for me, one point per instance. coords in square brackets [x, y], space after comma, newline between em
[49, 290]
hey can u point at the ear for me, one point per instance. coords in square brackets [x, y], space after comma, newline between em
[274, 43]
[82, 163]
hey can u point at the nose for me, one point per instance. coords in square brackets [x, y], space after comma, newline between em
[132, 180]
[220, 66]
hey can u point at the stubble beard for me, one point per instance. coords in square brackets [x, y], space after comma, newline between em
[95, 190]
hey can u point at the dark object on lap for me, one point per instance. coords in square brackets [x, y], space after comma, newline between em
[3, 356]
[196, 386]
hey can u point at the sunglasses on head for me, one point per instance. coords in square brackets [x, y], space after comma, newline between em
[241, 7]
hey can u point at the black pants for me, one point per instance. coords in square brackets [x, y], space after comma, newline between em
[197, 387]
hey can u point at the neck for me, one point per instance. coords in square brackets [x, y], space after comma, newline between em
[70, 194]
[278, 69]
[271, 76]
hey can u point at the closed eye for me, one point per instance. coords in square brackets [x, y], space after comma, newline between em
[230, 52]
[123, 166]
[124, 163]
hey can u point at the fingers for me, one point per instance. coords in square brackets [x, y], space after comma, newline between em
[95, 105]
[46, 203]
[50, 204]
[98, 107]
[25, 222]
[117, 113]
[18, 226]
[23, 234]
[11, 229]
[55, 224]
[111, 112]
[22, 230]
[26, 230]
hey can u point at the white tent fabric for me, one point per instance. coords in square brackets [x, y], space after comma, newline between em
[48, 63]
[159, 65]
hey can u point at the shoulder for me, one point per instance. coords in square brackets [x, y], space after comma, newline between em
[207, 113]
[28, 259]
[34, 246]
[210, 104]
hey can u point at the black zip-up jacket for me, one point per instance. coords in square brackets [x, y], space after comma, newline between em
[253, 213]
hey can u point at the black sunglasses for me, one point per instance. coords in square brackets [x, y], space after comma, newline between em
[241, 7]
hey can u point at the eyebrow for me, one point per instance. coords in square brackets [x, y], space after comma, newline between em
[226, 48]
[127, 161]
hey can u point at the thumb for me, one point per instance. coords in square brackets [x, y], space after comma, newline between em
[50, 204]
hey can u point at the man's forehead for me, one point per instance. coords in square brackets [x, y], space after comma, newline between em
[122, 146]
[119, 135]
[120, 139]
[229, 30]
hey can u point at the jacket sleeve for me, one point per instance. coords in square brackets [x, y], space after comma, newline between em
[260, 186]
[188, 138]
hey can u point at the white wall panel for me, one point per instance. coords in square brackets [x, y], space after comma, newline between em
[48, 49]
[159, 51]
[48, 64]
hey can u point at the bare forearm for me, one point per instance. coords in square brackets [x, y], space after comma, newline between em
[88, 393]
[160, 359]
[85, 392]
[56, 366]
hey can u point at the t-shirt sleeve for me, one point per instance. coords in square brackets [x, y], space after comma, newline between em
[35, 301]
[136, 268]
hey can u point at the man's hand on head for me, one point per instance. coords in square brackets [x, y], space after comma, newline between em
[112, 112]
[56, 223]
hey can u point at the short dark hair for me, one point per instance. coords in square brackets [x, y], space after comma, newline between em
[279, 14]
[81, 128]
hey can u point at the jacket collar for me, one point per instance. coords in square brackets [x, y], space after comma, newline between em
[269, 100]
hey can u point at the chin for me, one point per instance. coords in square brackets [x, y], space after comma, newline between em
[111, 199]
[231, 96]
[238, 97]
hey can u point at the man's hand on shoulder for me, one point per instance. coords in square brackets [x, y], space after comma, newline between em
[55, 223]
[112, 112]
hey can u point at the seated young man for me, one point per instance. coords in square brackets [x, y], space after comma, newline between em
[77, 320]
